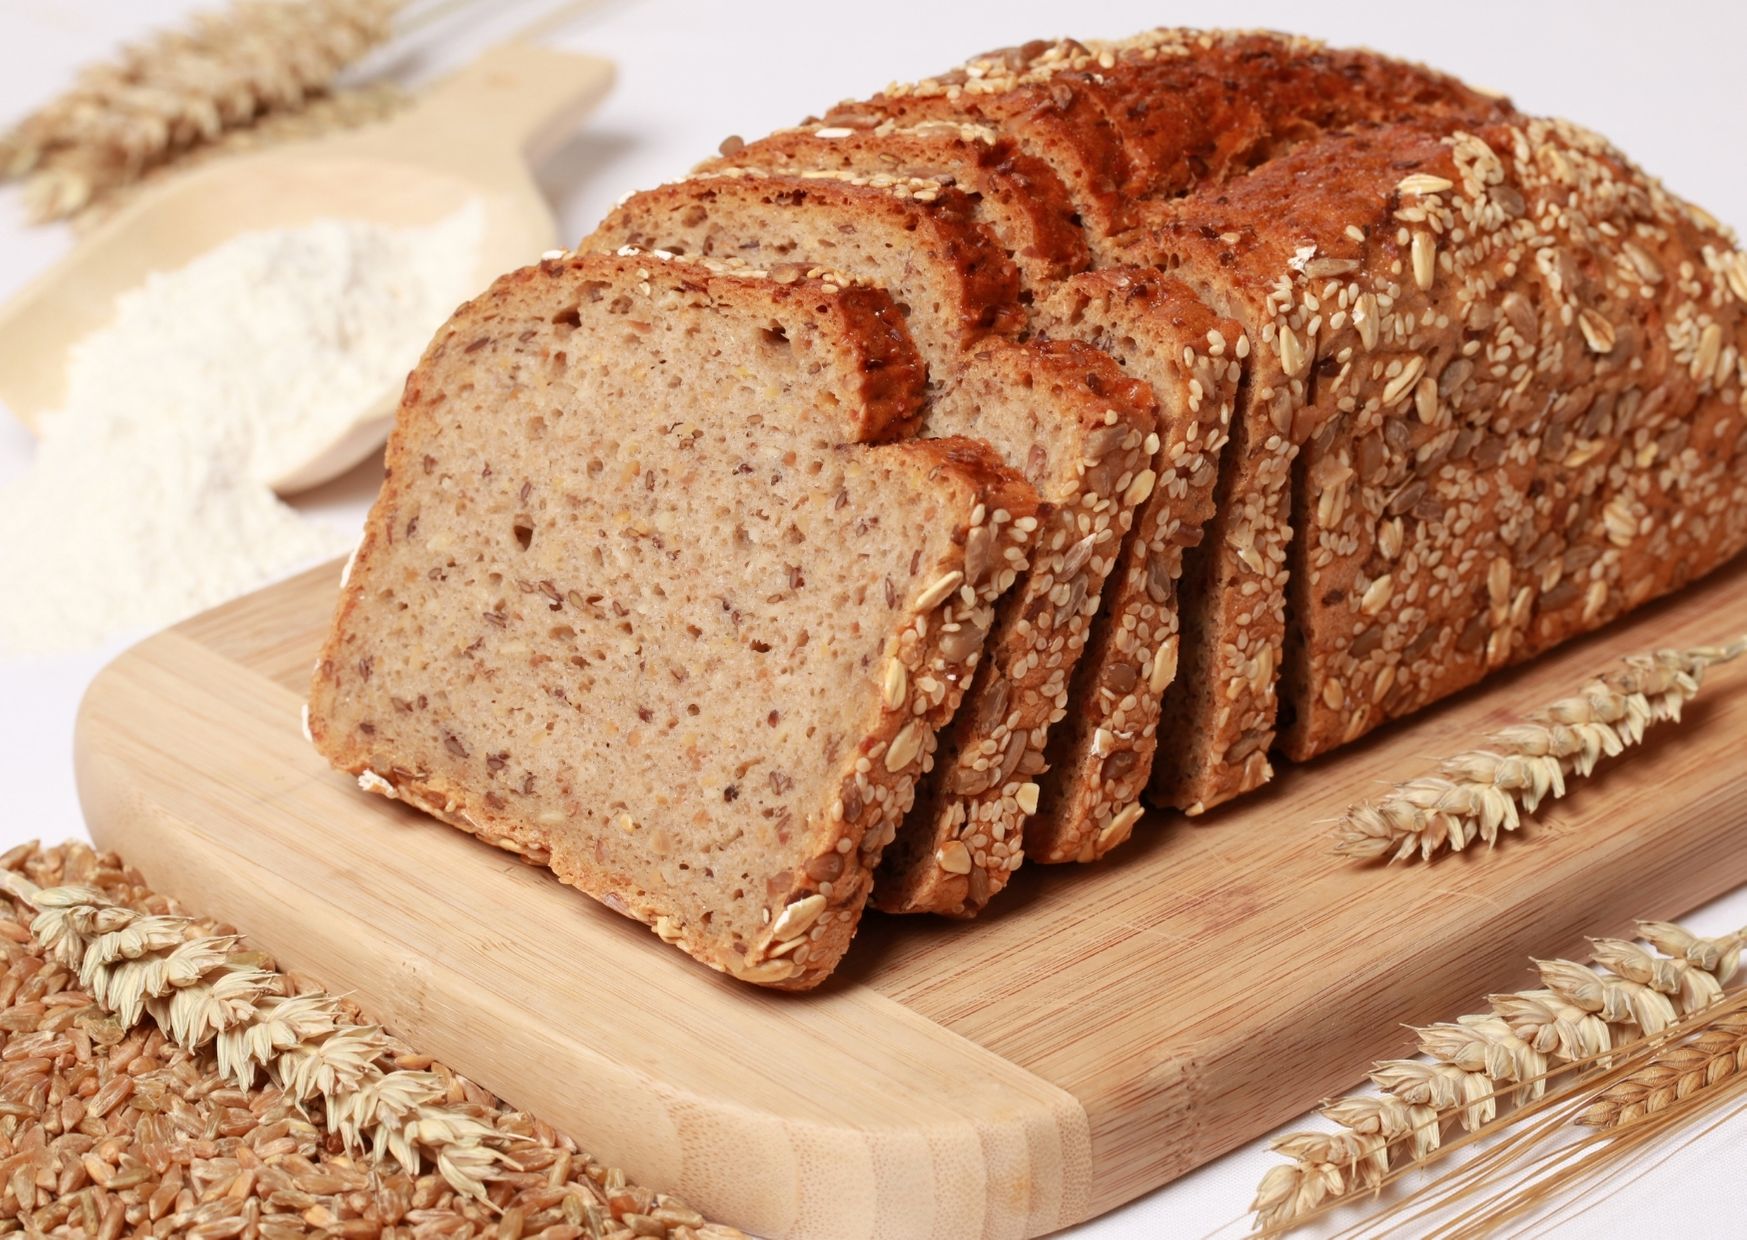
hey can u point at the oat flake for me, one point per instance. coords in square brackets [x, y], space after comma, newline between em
[148, 496]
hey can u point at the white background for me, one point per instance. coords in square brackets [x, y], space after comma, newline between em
[1666, 82]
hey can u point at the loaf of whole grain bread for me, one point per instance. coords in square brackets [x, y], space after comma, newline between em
[1316, 385]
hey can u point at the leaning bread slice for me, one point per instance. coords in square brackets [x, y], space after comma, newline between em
[1017, 196]
[635, 591]
[1216, 723]
[1101, 755]
[1058, 122]
[919, 240]
[1085, 434]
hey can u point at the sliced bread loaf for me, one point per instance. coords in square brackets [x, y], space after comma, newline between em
[1101, 754]
[1085, 433]
[657, 652]
[919, 240]
[1017, 196]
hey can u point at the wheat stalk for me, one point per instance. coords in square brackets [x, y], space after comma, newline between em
[180, 89]
[202, 990]
[1480, 794]
[52, 191]
[1471, 1065]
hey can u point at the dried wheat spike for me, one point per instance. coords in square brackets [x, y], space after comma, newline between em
[65, 180]
[1480, 794]
[1478, 1062]
[179, 89]
[1616, 1000]
[1674, 1074]
[202, 990]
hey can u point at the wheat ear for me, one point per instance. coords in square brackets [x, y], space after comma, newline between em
[1476, 1062]
[1674, 1074]
[203, 990]
[1480, 794]
[52, 191]
[179, 89]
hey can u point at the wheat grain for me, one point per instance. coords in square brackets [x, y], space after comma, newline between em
[1481, 794]
[1476, 1063]
[193, 988]
[1674, 1074]
[179, 89]
[110, 1130]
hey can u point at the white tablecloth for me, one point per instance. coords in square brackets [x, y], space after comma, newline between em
[1665, 82]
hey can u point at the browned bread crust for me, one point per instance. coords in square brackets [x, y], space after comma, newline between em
[1092, 437]
[533, 689]
[1194, 107]
[1059, 123]
[1018, 197]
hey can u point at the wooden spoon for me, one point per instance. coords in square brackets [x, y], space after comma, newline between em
[469, 138]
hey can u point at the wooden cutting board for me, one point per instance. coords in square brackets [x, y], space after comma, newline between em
[1105, 1029]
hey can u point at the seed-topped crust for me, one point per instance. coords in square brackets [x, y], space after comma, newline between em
[1538, 427]
[892, 232]
[1084, 433]
[1017, 196]
[1101, 754]
[542, 690]
[1194, 107]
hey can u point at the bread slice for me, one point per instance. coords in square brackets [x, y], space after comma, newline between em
[1166, 111]
[1086, 435]
[1217, 719]
[692, 662]
[1018, 197]
[1101, 755]
[918, 239]
[1059, 123]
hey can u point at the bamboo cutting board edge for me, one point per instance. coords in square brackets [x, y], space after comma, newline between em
[1111, 1028]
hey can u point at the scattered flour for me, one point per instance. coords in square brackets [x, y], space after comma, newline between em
[148, 497]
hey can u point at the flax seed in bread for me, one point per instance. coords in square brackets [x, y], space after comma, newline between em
[692, 662]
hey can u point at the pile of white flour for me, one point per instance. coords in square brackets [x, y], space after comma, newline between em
[149, 496]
